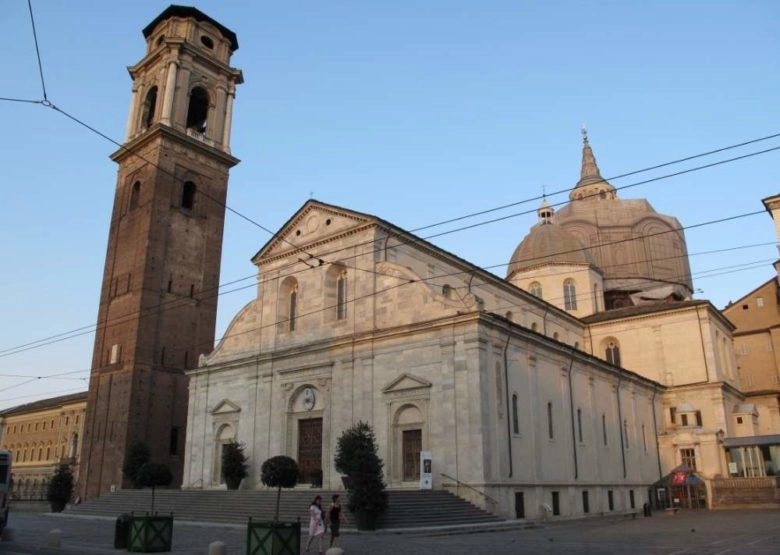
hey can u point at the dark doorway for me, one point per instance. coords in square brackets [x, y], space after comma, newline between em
[556, 502]
[412, 445]
[585, 502]
[519, 504]
[309, 448]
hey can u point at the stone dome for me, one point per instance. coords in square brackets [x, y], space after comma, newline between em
[548, 243]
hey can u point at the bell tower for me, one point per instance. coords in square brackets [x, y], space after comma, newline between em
[158, 301]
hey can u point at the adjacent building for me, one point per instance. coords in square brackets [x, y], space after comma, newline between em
[41, 436]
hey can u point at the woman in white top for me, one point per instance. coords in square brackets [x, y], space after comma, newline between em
[316, 524]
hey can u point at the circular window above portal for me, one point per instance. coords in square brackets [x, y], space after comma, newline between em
[207, 42]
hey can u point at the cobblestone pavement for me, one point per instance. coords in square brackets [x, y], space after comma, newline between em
[687, 533]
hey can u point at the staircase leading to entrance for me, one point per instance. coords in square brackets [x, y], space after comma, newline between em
[406, 509]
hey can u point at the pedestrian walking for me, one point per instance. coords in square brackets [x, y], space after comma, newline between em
[335, 518]
[316, 523]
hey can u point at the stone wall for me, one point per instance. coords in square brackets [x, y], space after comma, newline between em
[745, 492]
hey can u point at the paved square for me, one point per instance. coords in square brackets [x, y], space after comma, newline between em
[687, 533]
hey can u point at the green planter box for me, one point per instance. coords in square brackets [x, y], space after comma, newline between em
[273, 538]
[150, 534]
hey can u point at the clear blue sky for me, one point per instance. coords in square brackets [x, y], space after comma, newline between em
[413, 111]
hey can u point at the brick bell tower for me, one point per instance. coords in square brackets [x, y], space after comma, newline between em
[158, 302]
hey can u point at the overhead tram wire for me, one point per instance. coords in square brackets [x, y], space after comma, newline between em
[35, 345]
[703, 274]
[408, 281]
[613, 178]
[37, 50]
[181, 300]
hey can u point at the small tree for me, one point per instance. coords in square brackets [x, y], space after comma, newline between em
[279, 472]
[136, 456]
[356, 456]
[234, 467]
[352, 441]
[60, 488]
[154, 475]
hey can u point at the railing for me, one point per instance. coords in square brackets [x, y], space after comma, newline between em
[200, 136]
[472, 488]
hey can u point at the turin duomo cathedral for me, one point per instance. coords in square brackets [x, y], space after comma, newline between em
[571, 385]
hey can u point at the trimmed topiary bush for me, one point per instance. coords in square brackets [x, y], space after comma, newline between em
[234, 467]
[152, 475]
[279, 472]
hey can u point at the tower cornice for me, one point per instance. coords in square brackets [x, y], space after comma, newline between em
[131, 147]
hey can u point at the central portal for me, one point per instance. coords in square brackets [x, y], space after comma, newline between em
[309, 448]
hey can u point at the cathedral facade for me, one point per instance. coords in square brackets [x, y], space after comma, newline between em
[566, 388]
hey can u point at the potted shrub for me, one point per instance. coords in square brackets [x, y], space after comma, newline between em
[276, 538]
[356, 456]
[234, 467]
[60, 488]
[136, 456]
[151, 533]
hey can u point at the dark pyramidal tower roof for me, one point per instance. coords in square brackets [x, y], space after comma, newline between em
[187, 11]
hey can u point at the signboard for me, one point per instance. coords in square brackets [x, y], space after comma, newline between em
[733, 469]
[426, 472]
[678, 478]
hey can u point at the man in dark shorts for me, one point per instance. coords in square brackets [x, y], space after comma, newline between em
[335, 518]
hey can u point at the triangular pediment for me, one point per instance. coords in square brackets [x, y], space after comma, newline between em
[225, 406]
[312, 223]
[406, 382]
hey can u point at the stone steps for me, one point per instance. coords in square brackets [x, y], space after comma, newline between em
[406, 509]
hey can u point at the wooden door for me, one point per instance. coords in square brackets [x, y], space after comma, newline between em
[309, 447]
[412, 445]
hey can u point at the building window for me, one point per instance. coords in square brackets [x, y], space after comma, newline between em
[198, 110]
[287, 311]
[550, 431]
[631, 499]
[446, 291]
[688, 458]
[613, 352]
[579, 424]
[116, 354]
[535, 289]
[293, 308]
[684, 419]
[188, 195]
[698, 418]
[759, 302]
[341, 296]
[150, 105]
[135, 194]
[625, 432]
[556, 503]
[610, 500]
[673, 415]
[604, 427]
[569, 295]
[515, 419]
[585, 502]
